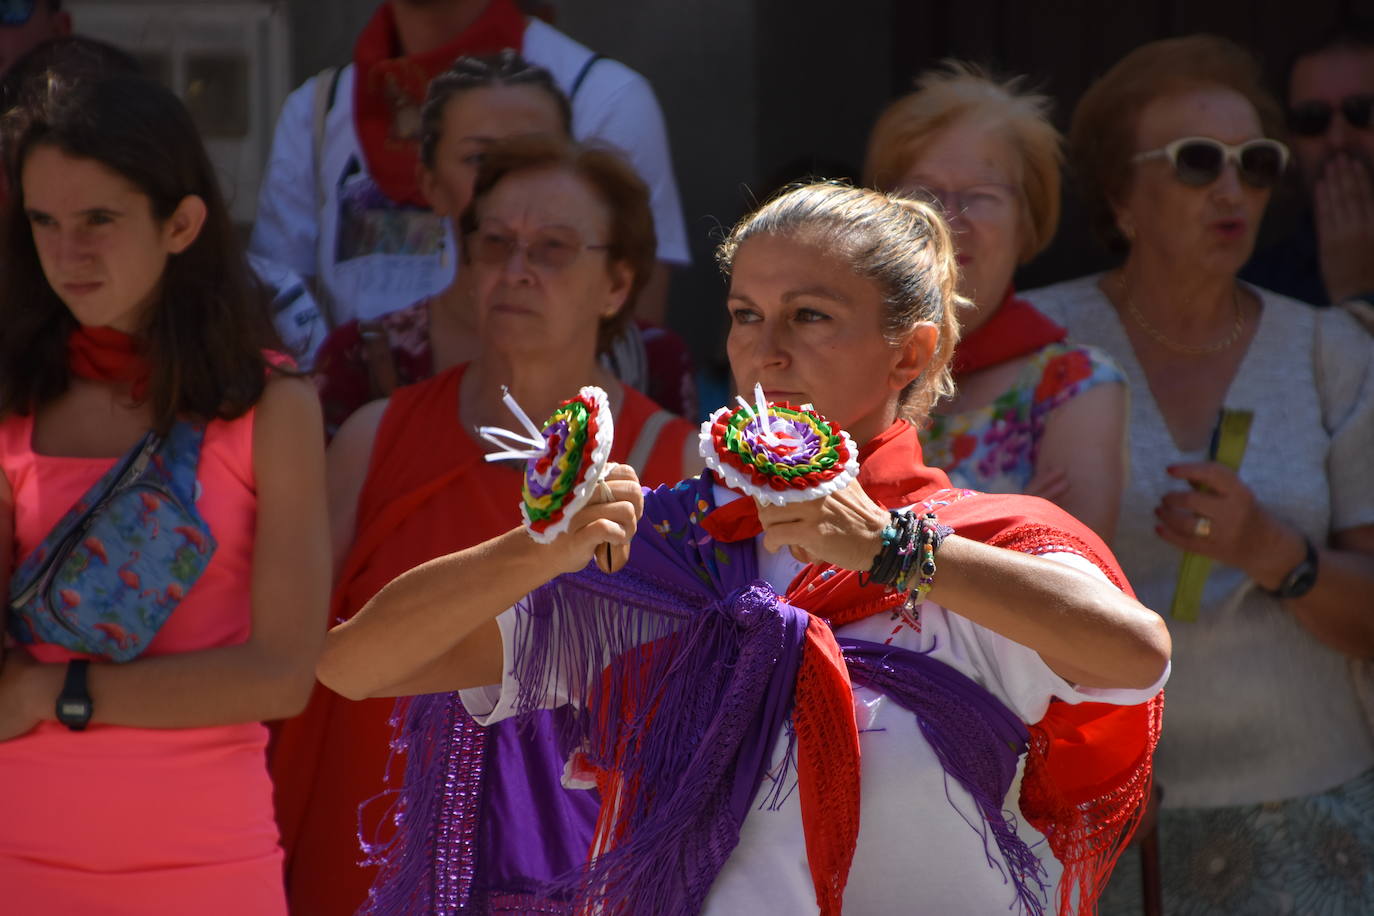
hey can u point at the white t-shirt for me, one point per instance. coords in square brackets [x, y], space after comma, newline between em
[916, 850]
[375, 256]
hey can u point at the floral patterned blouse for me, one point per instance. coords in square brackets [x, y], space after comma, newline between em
[994, 448]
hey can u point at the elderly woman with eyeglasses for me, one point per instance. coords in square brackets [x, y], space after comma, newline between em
[1268, 763]
[1032, 414]
[558, 239]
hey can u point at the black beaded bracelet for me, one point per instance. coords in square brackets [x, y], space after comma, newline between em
[907, 555]
[898, 534]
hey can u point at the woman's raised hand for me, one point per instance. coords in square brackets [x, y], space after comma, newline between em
[844, 528]
[609, 520]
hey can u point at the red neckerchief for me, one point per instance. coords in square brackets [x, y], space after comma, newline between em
[107, 355]
[388, 90]
[1088, 767]
[1017, 328]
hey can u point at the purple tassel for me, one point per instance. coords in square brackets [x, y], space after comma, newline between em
[428, 860]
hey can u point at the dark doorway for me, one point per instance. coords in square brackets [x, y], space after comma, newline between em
[1063, 46]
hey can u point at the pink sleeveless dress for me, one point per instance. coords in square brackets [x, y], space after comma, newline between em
[116, 820]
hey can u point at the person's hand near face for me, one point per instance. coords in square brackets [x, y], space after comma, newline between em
[1343, 208]
[1330, 100]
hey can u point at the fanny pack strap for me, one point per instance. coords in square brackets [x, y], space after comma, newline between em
[184, 439]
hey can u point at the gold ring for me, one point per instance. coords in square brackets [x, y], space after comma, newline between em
[1202, 527]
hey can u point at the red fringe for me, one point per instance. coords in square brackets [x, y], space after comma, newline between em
[1089, 765]
[827, 766]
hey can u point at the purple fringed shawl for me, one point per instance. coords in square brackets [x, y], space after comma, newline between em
[687, 660]
[685, 664]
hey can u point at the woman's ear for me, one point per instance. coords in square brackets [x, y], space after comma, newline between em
[1124, 224]
[622, 281]
[914, 355]
[1121, 215]
[183, 227]
[433, 191]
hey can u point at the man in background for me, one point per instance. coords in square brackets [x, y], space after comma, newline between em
[1329, 258]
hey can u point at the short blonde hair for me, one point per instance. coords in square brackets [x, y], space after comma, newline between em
[957, 91]
[1102, 137]
[902, 246]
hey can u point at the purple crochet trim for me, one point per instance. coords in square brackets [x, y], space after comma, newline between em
[428, 862]
[483, 822]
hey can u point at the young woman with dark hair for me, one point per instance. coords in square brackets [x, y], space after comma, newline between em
[162, 496]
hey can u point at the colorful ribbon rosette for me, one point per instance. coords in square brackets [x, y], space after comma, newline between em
[564, 461]
[778, 453]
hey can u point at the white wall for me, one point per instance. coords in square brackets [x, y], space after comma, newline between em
[228, 59]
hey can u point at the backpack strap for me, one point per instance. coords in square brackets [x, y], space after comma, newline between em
[326, 87]
[643, 448]
[582, 75]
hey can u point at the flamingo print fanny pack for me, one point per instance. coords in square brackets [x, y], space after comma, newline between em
[110, 573]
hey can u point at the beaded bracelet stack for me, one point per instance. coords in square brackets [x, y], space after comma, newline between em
[906, 561]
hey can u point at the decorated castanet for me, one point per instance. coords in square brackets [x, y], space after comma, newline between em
[778, 453]
[565, 464]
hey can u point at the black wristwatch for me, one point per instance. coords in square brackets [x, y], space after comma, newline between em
[74, 703]
[1300, 580]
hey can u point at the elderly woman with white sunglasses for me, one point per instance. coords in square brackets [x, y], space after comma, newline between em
[1267, 763]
